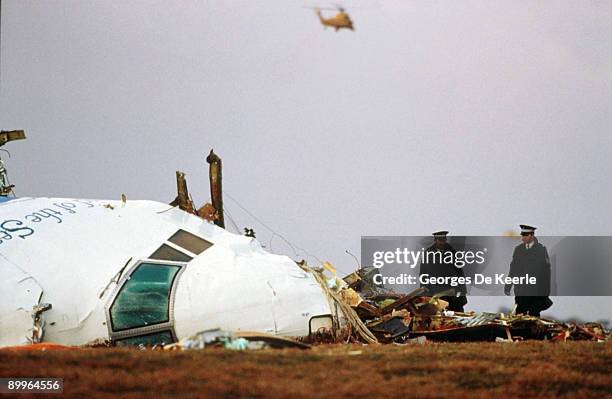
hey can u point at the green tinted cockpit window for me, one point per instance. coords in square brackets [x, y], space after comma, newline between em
[144, 298]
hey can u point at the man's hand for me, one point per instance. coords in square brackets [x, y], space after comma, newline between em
[507, 289]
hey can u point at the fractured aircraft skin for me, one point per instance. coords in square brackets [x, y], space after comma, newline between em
[79, 271]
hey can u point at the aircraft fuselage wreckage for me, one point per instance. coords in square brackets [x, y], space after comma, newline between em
[77, 271]
[125, 272]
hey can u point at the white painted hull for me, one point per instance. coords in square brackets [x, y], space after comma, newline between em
[66, 252]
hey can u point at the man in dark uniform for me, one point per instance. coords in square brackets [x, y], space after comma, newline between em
[433, 264]
[531, 258]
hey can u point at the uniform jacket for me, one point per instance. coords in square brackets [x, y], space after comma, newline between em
[535, 262]
[441, 269]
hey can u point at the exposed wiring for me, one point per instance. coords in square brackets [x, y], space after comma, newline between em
[229, 216]
[356, 260]
[293, 247]
[166, 210]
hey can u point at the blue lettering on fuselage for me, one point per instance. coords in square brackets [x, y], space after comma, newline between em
[12, 228]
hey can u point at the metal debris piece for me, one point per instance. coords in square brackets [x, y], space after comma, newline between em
[352, 279]
[477, 319]
[392, 328]
[11, 135]
[5, 187]
[38, 328]
[351, 297]
[270, 340]
[404, 302]
[367, 310]
[208, 212]
[182, 200]
[216, 187]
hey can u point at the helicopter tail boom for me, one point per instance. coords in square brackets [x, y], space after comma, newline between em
[318, 12]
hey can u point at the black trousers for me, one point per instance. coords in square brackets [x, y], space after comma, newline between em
[532, 305]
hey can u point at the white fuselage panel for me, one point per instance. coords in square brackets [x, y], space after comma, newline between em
[66, 252]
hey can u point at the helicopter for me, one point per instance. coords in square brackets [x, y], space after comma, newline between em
[339, 21]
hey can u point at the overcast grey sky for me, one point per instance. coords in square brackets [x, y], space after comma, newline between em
[472, 116]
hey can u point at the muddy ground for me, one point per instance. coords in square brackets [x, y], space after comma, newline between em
[474, 370]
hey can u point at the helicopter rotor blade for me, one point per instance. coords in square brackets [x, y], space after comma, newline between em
[321, 8]
[340, 7]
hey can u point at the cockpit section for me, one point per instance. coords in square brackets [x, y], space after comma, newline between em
[141, 309]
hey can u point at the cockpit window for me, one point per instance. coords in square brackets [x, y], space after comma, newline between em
[190, 242]
[144, 298]
[166, 252]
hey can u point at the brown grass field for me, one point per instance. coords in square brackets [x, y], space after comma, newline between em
[474, 370]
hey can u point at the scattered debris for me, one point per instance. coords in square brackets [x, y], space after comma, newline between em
[391, 317]
[270, 340]
[239, 341]
[331, 286]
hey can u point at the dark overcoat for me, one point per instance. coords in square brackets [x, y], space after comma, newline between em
[440, 269]
[535, 262]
